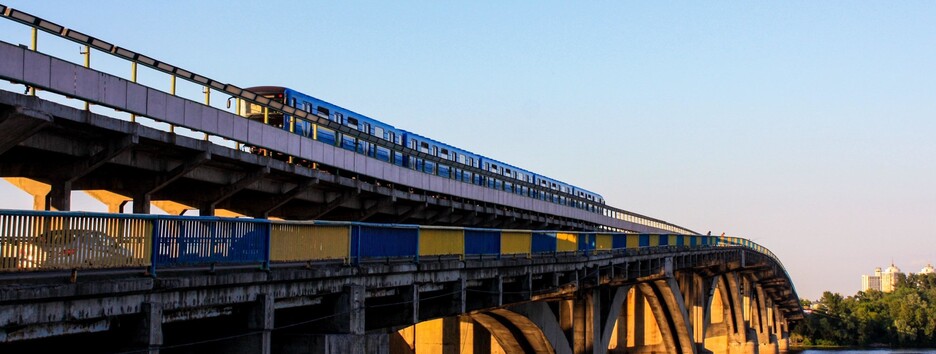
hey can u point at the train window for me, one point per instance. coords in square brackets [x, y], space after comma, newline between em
[339, 117]
[366, 128]
[353, 122]
[435, 150]
[412, 144]
[445, 154]
[392, 137]
[323, 110]
[379, 132]
[294, 102]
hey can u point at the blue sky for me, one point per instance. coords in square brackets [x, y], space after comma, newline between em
[808, 127]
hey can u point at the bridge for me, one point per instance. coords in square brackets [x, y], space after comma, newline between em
[478, 273]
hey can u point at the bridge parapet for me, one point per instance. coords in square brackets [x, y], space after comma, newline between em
[408, 277]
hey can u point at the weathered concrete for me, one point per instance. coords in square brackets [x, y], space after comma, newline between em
[325, 306]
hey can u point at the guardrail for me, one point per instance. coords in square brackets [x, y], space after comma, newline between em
[157, 108]
[45, 240]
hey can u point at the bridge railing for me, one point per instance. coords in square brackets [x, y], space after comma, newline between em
[94, 87]
[44, 241]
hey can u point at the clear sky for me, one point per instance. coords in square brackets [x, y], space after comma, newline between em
[809, 127]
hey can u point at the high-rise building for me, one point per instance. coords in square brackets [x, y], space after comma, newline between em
[889, 278]
[869, 282]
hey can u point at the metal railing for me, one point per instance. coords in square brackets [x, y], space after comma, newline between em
[44, 241]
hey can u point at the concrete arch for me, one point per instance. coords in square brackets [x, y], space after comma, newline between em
[514, 332]
[666, 303]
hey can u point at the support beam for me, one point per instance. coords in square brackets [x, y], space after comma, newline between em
[340, 198]
[281, 200]
[412, 211]
[378, 205]
[19, 124]
[239, 185]
[179, 171]
[111, 149]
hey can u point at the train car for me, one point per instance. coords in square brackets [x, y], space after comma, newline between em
[556, 187]
[593, 200]
[507, 178]
[332, 112]
[458, 158]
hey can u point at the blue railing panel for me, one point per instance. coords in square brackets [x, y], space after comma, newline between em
[189, 241]
[384, 241]
[479, 242]
[543, 242]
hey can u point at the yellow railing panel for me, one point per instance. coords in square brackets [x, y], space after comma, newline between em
[516, 242]
[441, 241]
[306, 242]
[673, 240]
[603, 242]
[31, 242]
[566, 242]
[654, 240]
[633, 241]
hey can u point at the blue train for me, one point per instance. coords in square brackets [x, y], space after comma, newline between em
[458, 157]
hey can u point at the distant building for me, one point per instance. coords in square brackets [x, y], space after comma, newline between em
[928, 269]
[869, 282]
[889, 278]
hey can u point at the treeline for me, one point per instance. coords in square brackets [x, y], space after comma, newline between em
[905, 317]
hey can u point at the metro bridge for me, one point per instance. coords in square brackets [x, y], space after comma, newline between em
[494, 283]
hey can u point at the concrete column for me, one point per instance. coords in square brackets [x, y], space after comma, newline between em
[260, 321]
[59, 197]
[566, 319]
[768, 340]
[716, 320]
[349, 330]
[606, 328]
[737, 339]
[644, 325]
[749, 304]
[141, 203]
[481, 339]
[377, 343]
[149, 334]
[350, 308]
[586, 322]
[783, 333]
[206, 209]
[451, 335]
